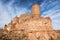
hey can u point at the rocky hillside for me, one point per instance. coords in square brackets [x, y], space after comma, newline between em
[30, 27]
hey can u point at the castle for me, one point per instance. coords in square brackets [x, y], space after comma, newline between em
[34, 26]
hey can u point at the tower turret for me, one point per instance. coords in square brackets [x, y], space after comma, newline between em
[35, 10]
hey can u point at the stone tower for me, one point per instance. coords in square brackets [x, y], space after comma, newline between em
[33, 25]
[35, 12]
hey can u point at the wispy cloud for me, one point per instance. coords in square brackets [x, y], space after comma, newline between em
[52, 10]
[11, 8]
[8, 12]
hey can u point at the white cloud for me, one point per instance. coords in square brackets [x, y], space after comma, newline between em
[4, 17]
[53, 13]
[7, 13]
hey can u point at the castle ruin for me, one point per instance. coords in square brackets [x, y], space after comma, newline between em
[34, 26]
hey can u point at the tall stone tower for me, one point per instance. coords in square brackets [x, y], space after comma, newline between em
[35, 12]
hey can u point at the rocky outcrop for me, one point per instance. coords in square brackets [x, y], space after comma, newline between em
[33, 25]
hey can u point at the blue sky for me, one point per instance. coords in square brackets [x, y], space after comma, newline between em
[11, 8]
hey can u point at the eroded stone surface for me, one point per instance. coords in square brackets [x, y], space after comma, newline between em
[33, 25]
